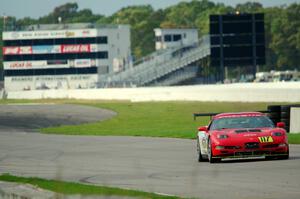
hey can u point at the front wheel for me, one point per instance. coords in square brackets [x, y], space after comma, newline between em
[285, 157]
[211, 158]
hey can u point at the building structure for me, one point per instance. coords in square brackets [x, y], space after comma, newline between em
[170, 38]
[65, 56]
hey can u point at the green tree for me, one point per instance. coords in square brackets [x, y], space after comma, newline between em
[140, 18]
[65, 12]
[7, 23]
[285, 30]
[249, 7]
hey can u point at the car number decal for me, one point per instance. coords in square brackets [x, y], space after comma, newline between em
[265, 139]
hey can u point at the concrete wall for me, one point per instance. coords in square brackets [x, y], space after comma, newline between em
[294, 120]
[246, 92]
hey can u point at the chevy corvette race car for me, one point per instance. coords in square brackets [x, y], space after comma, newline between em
[241, 136]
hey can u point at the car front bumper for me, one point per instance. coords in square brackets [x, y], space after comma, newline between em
[248, 154]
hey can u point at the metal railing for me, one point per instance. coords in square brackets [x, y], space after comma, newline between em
[160, 64]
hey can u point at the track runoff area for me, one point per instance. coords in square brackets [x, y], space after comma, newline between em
[160, 165]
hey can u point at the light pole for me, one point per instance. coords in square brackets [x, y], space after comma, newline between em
[4, 21]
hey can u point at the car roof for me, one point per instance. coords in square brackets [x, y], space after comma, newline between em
[240, 114]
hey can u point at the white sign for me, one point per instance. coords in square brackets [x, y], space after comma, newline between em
[39, 34]
[22, 65]
[51, 82]
[84, 63]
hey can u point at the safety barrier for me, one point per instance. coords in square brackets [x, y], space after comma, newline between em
[294, 120]
[242, 92]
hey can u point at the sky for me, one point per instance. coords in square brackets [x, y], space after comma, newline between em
[38, 8]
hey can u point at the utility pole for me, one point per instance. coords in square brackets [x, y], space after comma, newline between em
[4, 21]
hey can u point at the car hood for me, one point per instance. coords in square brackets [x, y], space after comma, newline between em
[246, 132]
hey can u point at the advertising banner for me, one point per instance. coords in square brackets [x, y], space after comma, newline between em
[11, 50]
[82, 63]
[57, 62]
[17, 65]
[41, 34]
[51, 82]
[25, 50]
[15, 50]
[46, 49]
[50, 49]
[76, 48]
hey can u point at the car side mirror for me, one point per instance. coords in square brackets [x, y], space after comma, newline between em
[280, 125]
[203, 128]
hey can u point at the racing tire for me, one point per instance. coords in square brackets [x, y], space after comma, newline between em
[285, 108]
[274, 108]
[285, 157]
[274, 115]
[210, 156]
[200, 157]
[285, 115]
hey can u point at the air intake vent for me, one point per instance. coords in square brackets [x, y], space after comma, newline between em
[248, 130]
[254, 130]
[241, 131]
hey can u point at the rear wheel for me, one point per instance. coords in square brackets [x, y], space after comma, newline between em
[211, 158]
[200, 157]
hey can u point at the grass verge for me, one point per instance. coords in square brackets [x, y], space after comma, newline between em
[154, 119]
[69, 188]
[294, 138]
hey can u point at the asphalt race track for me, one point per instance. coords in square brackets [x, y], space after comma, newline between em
[29, 117]
[151, 164]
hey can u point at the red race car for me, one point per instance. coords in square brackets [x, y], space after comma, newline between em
[241, 136]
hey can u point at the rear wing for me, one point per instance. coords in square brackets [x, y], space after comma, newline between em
[213, 114]
[204, 115]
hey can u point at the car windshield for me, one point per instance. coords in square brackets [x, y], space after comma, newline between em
[241, 122]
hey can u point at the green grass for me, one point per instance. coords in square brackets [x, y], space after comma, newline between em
[69, 188]
[154, 119]
[294, 138]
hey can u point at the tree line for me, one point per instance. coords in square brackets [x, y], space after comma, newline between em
[282, 25]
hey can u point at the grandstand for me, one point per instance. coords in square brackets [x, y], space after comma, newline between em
[162, 68]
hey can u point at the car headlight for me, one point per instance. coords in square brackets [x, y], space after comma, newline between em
[277, 134]
[222, 136]
[282, 145]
